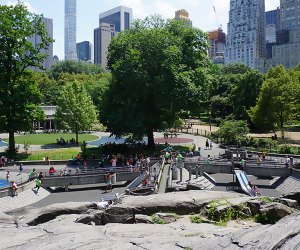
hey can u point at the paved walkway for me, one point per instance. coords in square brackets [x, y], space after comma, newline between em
[23, 199]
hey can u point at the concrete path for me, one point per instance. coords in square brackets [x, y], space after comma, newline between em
[23, 199]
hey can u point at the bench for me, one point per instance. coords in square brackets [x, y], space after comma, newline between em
[167, 134]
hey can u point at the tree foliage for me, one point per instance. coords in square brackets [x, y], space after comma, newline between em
[278, 101]
[74, 67]
[158, 69]
[233, 131]
[75, 109]
[234, 91]
[19, 94]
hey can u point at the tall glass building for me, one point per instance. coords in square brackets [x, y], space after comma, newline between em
[120, 17]
[70, 30]
[84, 51]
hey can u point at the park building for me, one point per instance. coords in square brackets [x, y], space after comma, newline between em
[111, 22]
[245, 41]
[49, 122]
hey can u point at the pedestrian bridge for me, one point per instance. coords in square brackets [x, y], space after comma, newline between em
[86, 179]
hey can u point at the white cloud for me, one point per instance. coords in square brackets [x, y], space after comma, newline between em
[140, 9]
[272, 4]
[165, 9]
[28, 5]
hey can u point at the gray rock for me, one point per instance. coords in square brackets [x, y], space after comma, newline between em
[288, 202]
[254, 206]
[167, 217]
[42, 215]
[118, 214]
[141, 218]
[276, 211]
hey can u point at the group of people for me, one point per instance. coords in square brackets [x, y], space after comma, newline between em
[62, 141]
[208, 144]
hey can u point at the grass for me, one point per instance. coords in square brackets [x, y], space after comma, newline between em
[42, 139]
[157, 220]
[53, 154]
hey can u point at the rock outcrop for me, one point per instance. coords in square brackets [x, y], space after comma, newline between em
[64, 226]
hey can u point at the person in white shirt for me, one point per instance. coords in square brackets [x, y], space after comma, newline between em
[104, 204]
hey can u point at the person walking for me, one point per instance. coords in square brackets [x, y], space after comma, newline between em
[108, 182]
[21, 168]
[14, 188]
[206, 144]
[38, 184]
[7, 175]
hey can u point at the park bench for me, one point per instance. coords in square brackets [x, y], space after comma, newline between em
[171, 134]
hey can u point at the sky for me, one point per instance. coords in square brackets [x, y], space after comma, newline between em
[201, 13]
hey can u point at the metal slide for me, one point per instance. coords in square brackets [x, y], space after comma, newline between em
[244, 181]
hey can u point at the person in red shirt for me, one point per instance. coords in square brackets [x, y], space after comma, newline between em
[14, 188]
[52, 171]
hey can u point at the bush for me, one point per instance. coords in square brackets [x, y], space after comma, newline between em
[196, 219]
[233, 131]
[285, 149]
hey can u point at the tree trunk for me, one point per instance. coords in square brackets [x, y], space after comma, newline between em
[76, 132]
[281, 125]
[11, 145]
[150, 136]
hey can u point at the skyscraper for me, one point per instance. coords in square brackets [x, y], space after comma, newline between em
[102, 39]
[36, 39]
[84, 51]
[183, 15]
[70, 30]
[110, 23]
[217, 39]
[120, 17]
[245, 42]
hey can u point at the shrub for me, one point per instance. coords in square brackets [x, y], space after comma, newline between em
[285, 149]
[157, 220]
[196, 219]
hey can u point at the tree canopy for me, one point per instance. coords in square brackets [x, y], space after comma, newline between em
[158, 69]
[234, 91]
[74, 67]
[19, 94]
[278, 101]
[75, 109]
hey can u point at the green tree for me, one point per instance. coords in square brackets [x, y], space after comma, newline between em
[158, 69]
[19, 94]
[75, 109]
[278, 101]
[233, 131]
[74, 67]
[234, 91]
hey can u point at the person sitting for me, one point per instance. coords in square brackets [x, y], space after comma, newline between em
[47, 160]
[255, 190]
[14, 188]
[52, 171]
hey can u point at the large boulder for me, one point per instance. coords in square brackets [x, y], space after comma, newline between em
[42, 215]
[118, 214]
[276, 211]
[141, 218]
[288, 202]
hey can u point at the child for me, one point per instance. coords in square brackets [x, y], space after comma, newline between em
[14, 188]
[38, 184]
[7, 175]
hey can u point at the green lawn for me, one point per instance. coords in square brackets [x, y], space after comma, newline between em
[42, 139]
[53, 154]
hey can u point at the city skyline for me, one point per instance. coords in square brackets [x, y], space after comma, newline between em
[201, 14]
